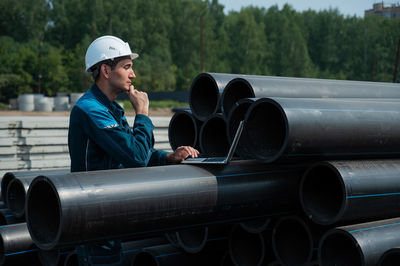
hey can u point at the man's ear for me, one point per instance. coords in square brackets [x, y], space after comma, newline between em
[105, 71]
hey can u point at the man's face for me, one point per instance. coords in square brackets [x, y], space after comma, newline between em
[121, 76]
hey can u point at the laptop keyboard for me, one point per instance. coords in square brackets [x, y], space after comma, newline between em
[214, 159]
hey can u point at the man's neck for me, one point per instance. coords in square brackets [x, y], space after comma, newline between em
[106, 89]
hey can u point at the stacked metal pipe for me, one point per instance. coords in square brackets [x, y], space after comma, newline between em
[323, 189]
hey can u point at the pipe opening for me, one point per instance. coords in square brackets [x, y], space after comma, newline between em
[235, 90]
[339, 249]
[322, 195]
[182, 131]
[390, 258]
[292, 242]
[213, 139]
[246, 248]
[265, 131]
[7, 177]
[16, 197]
[44, 212]
[204, 96]
[193, 240]
[144, 259]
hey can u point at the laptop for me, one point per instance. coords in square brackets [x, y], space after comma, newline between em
[219, 160]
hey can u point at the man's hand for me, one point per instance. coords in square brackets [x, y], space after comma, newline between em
[181, 153]
[139, 100]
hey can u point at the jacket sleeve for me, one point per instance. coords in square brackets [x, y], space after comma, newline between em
[130, 149]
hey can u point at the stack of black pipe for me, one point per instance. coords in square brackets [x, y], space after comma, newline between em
[316, 182]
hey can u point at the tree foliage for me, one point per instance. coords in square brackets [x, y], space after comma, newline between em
[43, 42]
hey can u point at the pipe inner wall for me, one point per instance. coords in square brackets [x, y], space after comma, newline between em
[322, 194]
[339, 248]
[16, 197]
[235, 90]
[43, 211]
[182, 130]
[213, 139]
[292, 242]
[204, 96]
[267, 124]
[390, 257]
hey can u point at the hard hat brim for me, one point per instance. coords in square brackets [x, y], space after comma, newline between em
[132, 55]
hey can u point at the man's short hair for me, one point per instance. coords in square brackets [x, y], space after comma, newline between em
[110, 62]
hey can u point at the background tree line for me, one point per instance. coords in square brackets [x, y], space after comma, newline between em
[43, 43]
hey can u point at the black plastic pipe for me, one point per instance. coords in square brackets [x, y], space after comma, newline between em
[255, 226]
[7, 177]
[184, 130]
[190, 240]
[16, 246]
[71, 259]
[8, 217]
[390, 257]
[213, 139]
[56, 257]
[359, 244]
[131, 248]
[295, 240]
[205, 91]
[351, 191]
[246, 248]
[90, 206]
[170, 255]
[16, 194]
[248, 86]
[288, 128]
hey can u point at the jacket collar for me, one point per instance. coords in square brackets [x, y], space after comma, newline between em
[114, 108]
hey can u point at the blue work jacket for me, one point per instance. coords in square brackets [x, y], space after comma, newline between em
[100, 138]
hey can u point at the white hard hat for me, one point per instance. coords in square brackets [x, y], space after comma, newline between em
[106, 47]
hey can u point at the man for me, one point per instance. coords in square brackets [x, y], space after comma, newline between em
[99, 136]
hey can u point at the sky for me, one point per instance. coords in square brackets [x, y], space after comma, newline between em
[345, 7]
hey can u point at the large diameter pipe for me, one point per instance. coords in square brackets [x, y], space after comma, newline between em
[184, 130]
[190, 240]
[16, 194]
[248, 86]
[390, 257]
[351, 191]
[295, 240]
[246, 248]
[56, 257]
[7, 217]
[131, 248]
[359, 244]
[205, 91]
[90, 206]
[16, 246]
[285, 128]
[213, 138]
